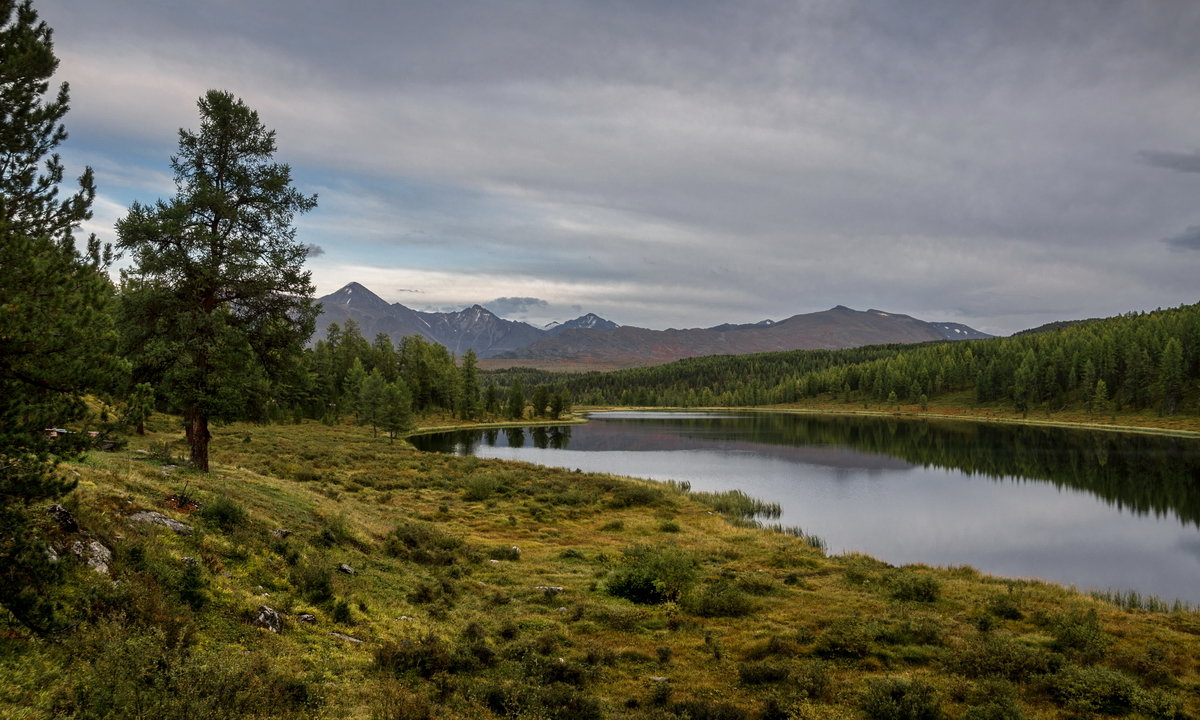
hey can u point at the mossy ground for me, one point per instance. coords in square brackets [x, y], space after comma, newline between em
[454, 622]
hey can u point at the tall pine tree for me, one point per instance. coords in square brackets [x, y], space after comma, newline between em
[56, 333]
[217, 285]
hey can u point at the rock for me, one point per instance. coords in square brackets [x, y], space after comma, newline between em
[307, 618]
[344, 568]
[268, 618]
[93, 554]
[347, 638]
[281, 533]
[562, 611]
[64, 518]
[549, 589]
[157, 518]
[658, 679]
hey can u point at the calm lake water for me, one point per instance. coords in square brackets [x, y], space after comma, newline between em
[1090, 509]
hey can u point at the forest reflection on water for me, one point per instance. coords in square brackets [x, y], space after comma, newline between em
[1089, 508]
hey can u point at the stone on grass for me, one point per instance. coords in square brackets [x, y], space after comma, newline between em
[268, 618]
[157, 518]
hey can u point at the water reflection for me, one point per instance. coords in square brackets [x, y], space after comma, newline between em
[1146, 474]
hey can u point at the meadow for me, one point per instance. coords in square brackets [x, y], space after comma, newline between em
[413, 585]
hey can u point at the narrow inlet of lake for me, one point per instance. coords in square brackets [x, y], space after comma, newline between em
[1092, 509]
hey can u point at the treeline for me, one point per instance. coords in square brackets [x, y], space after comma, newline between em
[1131, 362]
[340, 375]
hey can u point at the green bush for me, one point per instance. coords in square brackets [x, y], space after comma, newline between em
[761, 673]
[897, 699]
[1005, 607]
[424, 658]
[314, 580]
[1079, 635]
[480, 487]
[224, 512]
[721, 599]
[650, 575]
[846, 638]
[636, 495]
[335, 531]
[916, 587]
[999, 657]
[1094, 689]
[423, 544]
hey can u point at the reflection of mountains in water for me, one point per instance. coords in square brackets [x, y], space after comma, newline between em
[1140, 473]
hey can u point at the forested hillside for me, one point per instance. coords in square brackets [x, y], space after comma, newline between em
[1131, 362]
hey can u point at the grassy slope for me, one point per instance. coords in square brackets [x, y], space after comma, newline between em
[832, 624]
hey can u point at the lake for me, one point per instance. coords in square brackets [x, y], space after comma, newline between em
[1097, 510]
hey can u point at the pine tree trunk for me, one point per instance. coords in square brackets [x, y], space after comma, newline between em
[198, 437]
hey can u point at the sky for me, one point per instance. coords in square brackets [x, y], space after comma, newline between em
[685, 163]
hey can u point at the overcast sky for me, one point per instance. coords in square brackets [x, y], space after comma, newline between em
[686, 163]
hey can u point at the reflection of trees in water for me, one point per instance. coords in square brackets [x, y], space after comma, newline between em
[1141, 473]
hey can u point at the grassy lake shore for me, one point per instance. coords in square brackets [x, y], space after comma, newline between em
[485, 588]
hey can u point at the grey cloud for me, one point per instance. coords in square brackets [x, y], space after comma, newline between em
[505, 306]
[1187, 240]
[1180, 162]
[314, 250]
[718, 160]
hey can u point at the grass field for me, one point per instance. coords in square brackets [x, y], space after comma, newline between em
[490, 588]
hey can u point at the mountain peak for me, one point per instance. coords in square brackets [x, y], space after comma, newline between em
[591, 321]
[357, 297]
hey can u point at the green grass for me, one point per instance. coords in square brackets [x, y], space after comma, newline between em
[499, 589]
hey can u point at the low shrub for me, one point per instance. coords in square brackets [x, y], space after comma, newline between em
[916, 587]
[720, 599]
[989, 656]
[314, 580]
[846, 638]
[224, 512]
[425, 658]
[423, 544]
[1094, 689]
[1005, 607]
[651, 575]
[480, 487]
[897, 699]
[505, 552]
[636, 495]
[1079, 635]
[761, 673]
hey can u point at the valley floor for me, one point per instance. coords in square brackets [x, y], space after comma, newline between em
[476, 588]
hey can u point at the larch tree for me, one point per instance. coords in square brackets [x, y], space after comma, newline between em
[217, 287]
[56, 331]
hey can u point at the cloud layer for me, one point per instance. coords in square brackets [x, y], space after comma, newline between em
[682, 164]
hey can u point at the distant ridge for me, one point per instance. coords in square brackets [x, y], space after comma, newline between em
[593, 338]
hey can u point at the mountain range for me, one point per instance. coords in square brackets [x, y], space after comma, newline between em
[593, 339]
